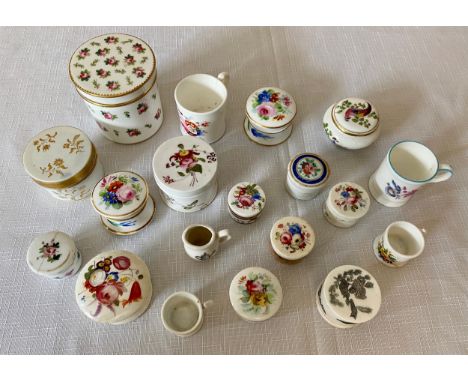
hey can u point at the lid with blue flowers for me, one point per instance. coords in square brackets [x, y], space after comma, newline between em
[309, 170]
[349, 200]
[246, 199]
[292, 238]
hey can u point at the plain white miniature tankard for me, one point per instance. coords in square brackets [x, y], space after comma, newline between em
[201, 242]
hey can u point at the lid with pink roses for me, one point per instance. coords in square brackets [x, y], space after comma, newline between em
[246, 199]
[349, 200]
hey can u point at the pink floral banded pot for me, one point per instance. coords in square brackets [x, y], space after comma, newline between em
[246, 201]
[116, 74]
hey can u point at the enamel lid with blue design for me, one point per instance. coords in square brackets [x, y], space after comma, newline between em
[349, 200]
[355, 116]
[308, 170]
[292, 237]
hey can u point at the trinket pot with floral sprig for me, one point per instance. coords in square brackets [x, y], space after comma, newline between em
[246, 201]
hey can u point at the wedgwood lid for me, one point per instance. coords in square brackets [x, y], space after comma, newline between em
[112, 65]
[59, 157]
[352, 294]
[246, 199]
[114, 287]
[184, 165]
[255, 294]
[349, 200]
[270, 107]
[308, 170]
[292, 237]
[355, 116]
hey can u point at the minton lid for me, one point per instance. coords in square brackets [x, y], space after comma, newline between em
[292, 238]
[112, 65]
[271, 107]
[246, 199]
[352, 294]
[349, 200]
[255, 294]
[308, 169]
[114, 287]
[355, 116]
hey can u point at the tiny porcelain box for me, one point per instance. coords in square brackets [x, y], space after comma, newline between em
[346, 203]
[307, 175]
[185, 171]
[54, 255]
[292, 238]
[246, 201]
[269, 115]
[64, 161]
[352, 123]
[349, 296]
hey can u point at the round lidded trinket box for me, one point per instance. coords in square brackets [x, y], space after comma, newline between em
[352, 123]
[255, 294]
[246, 202]
[292, 238]
[114, 287]
[54, 255]
[349, 296]
[64, 161]
[185, 171]
[116, 75]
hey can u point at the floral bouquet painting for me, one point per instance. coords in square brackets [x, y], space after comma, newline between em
[271, 105]
[117, 191]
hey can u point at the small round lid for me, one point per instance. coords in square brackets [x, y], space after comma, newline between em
[271, 107]
[308, 170]
[292, 237]
[59, 157]
[246, 199]
[255, 294]
[119, 194]
[112, 65]
[184, 165]
[114, 287]
[349, 200]
[355, 116]
[352, 294]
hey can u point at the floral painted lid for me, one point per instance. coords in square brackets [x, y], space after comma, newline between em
[352, 294]
[255, 294]
[184, 165]
[349, 200]
[59, 157]
[308, 169]
[292, 237]
[271, 107]
[114, 287]
[246, 199]
[112, 65]
[355, 116]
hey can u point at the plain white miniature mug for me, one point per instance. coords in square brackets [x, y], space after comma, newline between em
[408, 166]
[201, 242]
[182, 313]
[400, 243]
[201, 105]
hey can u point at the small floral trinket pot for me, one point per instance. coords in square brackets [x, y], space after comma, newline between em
[63, 161]
[114, 287]
[352, 123]
[292, 238]
[255, 294]
[269, 115]
[54, 255]
[185, 171]
[349, 296]
[246, 201]
[116, 76]
[307, 175]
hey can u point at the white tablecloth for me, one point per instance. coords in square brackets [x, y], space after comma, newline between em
[416, 77]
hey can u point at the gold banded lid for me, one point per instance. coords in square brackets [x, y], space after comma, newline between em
[355, 116]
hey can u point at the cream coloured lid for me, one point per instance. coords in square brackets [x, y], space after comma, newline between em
[355, 116]
[292, 237]
[246, 199]
[349, 200]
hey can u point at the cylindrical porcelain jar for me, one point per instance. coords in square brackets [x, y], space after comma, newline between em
[352, 123]
[307, 175]
[116, 76]
[64, 161]
[185, 171]
[269, 115]
[346, 203]
[246, 202]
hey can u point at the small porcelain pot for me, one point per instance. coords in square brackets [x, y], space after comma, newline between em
[346, 204]
[116, 76]
[183, 313]
[400, 243]
[246, 202]
[352, 123]
[307, 175]
[201, 105]
[63, 161]
[348, 297]
[54, 255]
[407, 167]
[201, 242]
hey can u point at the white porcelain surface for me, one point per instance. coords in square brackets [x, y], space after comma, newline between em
[201, 242]
[246, 201]
[262, 137]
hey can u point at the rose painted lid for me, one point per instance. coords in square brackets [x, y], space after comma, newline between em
[352, 294]
[255, 294]
[355, 116]
[349, 200]
[59, 157]
[246, 199]
[292, 237]
[114, 287]
[271, 107]
[184, 165]
[308, 169]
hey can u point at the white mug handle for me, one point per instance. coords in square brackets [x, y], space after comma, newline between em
[224, 78]
[444, 173]
[224, 236]
[207, 304]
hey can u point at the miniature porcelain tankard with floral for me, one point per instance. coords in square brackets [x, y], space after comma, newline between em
[201, 242]
[408, 166]
[246, 201]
